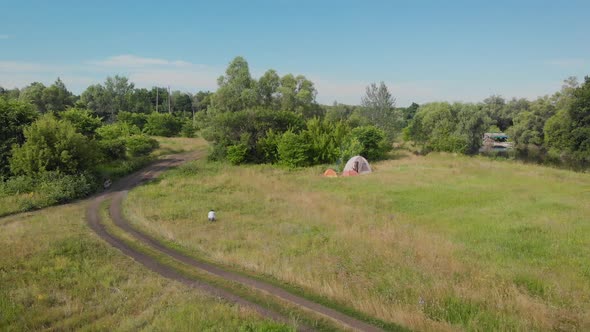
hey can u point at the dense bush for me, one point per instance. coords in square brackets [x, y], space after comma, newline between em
[14, 116]
[83, 120]
[325, 140]
[188, 129]
[53, 145]
[267, 147]
[140, 145]
[57, 187]
[293, 150]
[17, 185]
[451, 128]
[162, 124]
[112, 149]
[373, 142]
[236, 154]
[117, 130]
[137, 119]
[230, 128]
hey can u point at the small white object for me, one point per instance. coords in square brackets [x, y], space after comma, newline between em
[211, 215]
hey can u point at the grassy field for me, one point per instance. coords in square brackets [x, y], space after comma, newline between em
[56, 274]
[435, 243]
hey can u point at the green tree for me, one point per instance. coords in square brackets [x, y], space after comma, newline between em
[471, 124]
[14, 117]
[140, 102]
[373, 141]
[297, 94]
[182, 103]
[162, 124]
[52, 145]
[83, 120]
[528, 126]
[106, 101]
[267, 89]
[230, 128]
[293, 150]
[379, 108]
[567, 133]
[33, 94]
[236, 89]
[56, 97]
[202, 100]
[137, 119]
[9, 93]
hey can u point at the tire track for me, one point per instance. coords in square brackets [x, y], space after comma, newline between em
[119, 192]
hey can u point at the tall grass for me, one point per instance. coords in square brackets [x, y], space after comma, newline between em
[434, 243]
[57, 275]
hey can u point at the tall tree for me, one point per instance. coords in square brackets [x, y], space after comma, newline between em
[236, 89]
[56, 97]
[106, 101]
[202, 100]
[379, 108]
[182, 103]
[14, 116]
[267, 89]
[33, 94]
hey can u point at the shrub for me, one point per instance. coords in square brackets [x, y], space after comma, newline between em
[14, 116]
[113, 149]
[373, 142]
[137, 119]
[56, 187]
[138, 145]
[83, 120]
[267, 147]
[236, 154]
[52, 145]
[293, 150]
[449, 143]
[117, 130]
[188, 129]
[162, 124]
[17, 185]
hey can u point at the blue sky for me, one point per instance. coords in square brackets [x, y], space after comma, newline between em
[424, 50]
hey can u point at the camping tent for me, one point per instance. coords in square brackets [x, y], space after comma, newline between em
[330, 173]
[358, 164]
[350, 173]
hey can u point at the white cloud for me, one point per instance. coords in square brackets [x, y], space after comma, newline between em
[4, 36]
[128, 60]
[143, 71]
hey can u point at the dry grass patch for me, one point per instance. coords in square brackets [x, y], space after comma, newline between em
[55, 274]
[434, 243]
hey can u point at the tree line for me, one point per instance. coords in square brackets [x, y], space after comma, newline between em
[272, 119]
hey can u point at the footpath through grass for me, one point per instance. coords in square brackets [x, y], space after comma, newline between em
[434, 243]
[56, 274]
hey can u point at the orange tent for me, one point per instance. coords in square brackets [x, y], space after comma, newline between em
[350, 173]
[330, 173]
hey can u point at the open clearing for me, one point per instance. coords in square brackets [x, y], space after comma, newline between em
[56, 274]
[434, 243]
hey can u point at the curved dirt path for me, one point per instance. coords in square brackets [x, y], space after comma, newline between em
[119, 192]
[94, 221]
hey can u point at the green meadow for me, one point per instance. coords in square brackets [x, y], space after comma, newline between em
[433, 243]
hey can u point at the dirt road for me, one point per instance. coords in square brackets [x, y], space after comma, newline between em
[118, 192]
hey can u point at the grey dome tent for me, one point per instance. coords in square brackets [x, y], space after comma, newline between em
[357, 164]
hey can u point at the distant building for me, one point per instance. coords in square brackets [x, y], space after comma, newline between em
[495, 142]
